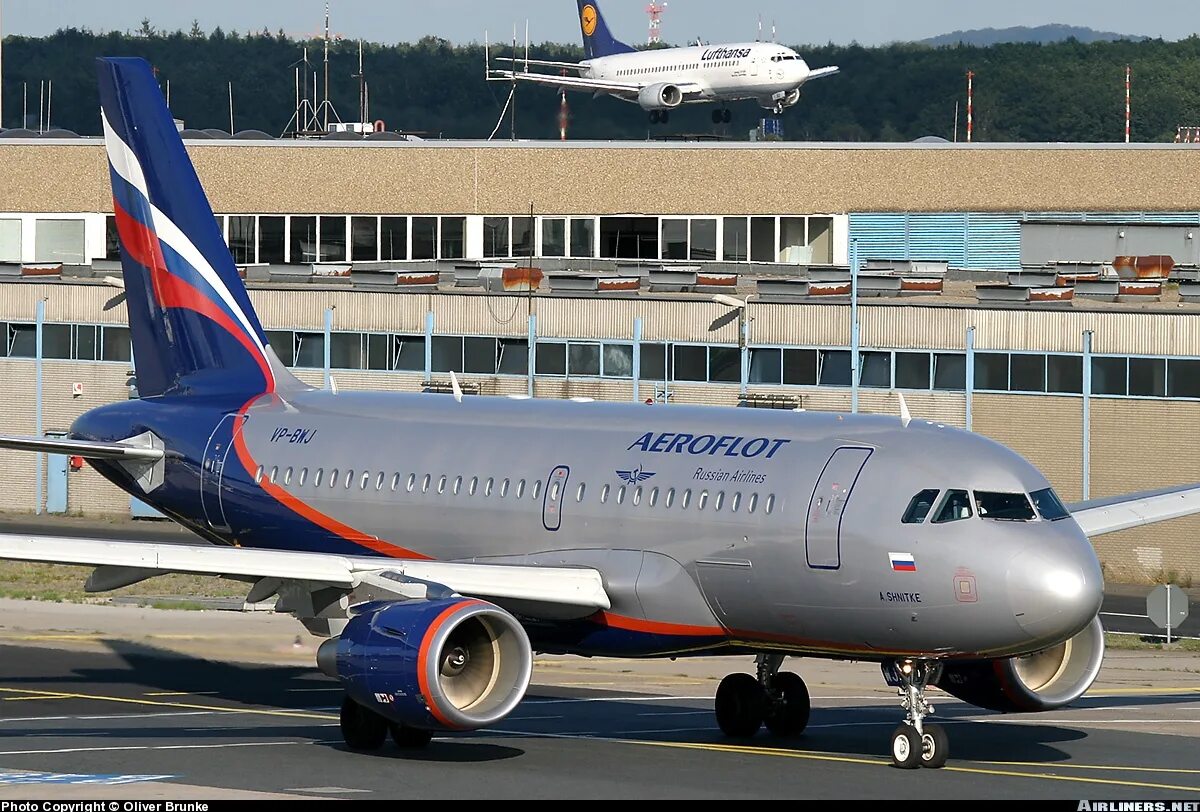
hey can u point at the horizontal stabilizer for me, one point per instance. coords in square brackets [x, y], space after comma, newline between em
[83, 448]
[1099, 516]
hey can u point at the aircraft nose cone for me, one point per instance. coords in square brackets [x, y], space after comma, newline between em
[1055, 592]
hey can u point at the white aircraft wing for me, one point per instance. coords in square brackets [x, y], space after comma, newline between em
[592, 85]
[821, 73]
[124, 562]
[541, 63]
[1100, 516]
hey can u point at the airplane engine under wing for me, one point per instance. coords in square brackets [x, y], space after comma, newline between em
[662, 96]
[1042, 681]
[453, 664]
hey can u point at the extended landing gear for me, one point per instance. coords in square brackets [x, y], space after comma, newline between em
[778, 699]
[364, 729]
[659, 116]
[914, 743]
[722, 116]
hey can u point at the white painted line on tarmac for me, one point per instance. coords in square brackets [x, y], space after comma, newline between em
[107, 716]
[116, 748]
[678, 713]
[638, 698]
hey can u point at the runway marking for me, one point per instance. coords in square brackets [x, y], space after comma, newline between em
[809, 756]
[8, 778]
[186, 705]
[106, 717]
[1115, 768]
[1147, 691]
[32, 698]
[183, 693]
[613, 699]
[678, 713]
[115, 748]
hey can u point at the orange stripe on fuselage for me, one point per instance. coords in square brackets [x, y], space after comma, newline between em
[307, 511]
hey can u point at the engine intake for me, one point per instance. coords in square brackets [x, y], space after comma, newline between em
[1045, 680]
[662, 96]
[455, 664]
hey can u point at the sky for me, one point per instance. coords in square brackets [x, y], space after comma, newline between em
[868, 22]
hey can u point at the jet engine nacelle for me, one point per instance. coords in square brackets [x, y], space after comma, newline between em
[446, 664]
[791, 98]
[662, 96]
[1042, 681]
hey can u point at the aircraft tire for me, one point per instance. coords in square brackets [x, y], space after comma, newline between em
[726, 116]
[655, 117]
[409, 738]
[906, 747]
[741, 705]
[788, 716]
[664, 116]
[935, 746]
[362, 728]
[716, 116]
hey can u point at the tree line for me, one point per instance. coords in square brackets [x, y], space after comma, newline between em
[1067, 91]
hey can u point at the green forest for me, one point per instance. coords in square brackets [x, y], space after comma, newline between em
[1067, 91]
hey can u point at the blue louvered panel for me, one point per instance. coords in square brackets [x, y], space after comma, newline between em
[993, 242]
[938, 237]
[880, 235]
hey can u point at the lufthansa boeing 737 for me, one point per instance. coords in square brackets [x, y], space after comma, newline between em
[660, 80]
[439, 541]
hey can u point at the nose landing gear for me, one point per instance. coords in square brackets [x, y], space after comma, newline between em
[659, 116]
[778, 699]
[722, 116]
[914, 743]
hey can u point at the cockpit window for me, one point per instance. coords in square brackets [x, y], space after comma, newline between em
[1048, 504]
[1012, 507]
[955, 505]
[920, 506]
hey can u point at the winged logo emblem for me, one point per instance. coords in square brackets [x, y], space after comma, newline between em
[635, 476]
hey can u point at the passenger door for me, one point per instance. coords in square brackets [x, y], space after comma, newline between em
[823, 524]
[212, 469]
[556, 491]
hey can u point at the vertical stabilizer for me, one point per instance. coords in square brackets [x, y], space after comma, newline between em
[597, 40]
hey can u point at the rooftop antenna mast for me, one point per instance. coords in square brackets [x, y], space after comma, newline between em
[304, 118]
[325, 109]
[655, 11]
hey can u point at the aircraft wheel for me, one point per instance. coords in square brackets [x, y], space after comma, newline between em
[362, 728]
[716, 116]
[664, 116]
[906, 747]
[409, 738]
[935, 746]
[726, 116]
[654, 117]
[788, 716]
[741, 705]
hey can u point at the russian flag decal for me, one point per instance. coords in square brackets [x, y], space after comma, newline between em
[903, 562]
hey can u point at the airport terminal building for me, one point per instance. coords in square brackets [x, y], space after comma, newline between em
[383, 266]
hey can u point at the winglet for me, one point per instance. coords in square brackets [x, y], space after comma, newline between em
[455, 388]
[905, 415]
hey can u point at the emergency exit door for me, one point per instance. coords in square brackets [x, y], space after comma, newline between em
[823, 525]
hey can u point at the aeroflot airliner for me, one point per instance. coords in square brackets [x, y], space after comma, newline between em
[439, 541]
[661, 80]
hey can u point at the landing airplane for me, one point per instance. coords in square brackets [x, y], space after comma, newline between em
[661, 80]
[439, 541]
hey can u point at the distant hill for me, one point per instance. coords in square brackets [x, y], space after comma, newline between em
[1042, 34]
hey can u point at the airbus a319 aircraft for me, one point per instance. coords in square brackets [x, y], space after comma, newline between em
[660, 80]
[438, 541]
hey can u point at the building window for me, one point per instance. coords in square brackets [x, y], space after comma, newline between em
[1109, 376]
[991, 371]
[629, 237]
[302, 243]
[735, 239]
[554, 237]
[674, 238]
[115, 344]
[800, 367]
[424, 237]
[618, 361]
[703, 242]
[876, 369]
[949, 371]
[85, 342]
[393, 238]
[582, 242]
[453, 239]
[793, 240]
[345, 351]
[514, 356]
[551, 359]
[1183, 378]
[495, 237]
[522, 237]
[10, 240]
[333, 239]
[1148, 377]
[59, 241]
[408, 353]
[912, 370]
[654, 365]
[724, 364]
[364, 239]
[691, 363]
[271, 230]
[766, 365]
[243, 238]
[56, 341]
[835, 368]
[583, 359]
[1028, 373]
[479, 356]
[1064, 373]
[762, 239]
[310, 350]
[447, 354]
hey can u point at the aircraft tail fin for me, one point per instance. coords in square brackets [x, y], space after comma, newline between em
[193, 327]
[597, 40]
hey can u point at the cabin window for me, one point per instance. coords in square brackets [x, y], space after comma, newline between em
[955, 505]
[364, 480]
[1009, 507]
[769, 505]
[669, 499]
[258, 474]
[303, 476]
[580, 491]
[520, 489]
[379, 481]
[457, 484]
[686, 500]
[287, 476]
[1047, 503]
[752, 503]
[919, 506]
[653, 497]
[621, 495]
[441, 484]
[554, 492]
[274, 473]
[735, 502]
[333, 478]
[395, 482]
[473, 486]
[425, 483]
[317, 477]
[412, 481]
[537, 489]
[604, 494]
[702, 500]
[637, 495]
[719, 501]
[349, 477]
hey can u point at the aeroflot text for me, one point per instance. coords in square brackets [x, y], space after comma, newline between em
[710, 444]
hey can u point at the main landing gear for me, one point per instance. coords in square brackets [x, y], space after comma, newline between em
[364, 729]
[777, 699]
[722, 116]
[914, 743]
[660, 116]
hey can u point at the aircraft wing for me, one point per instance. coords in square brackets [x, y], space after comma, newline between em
[126, 450]
[1100, 516]
[576, 591]
[821, 73]
[590, 85]
[541, 63]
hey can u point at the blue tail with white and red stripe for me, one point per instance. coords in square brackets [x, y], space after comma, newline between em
[194, 330]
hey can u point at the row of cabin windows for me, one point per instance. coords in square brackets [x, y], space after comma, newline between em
[725, 63]
[487, 487]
